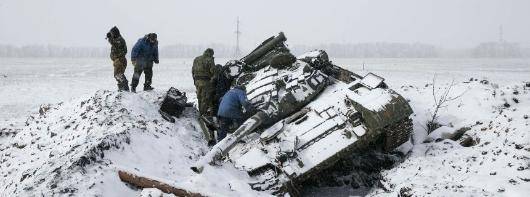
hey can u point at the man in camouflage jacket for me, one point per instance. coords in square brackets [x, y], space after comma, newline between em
[204, 78]
[117, 55]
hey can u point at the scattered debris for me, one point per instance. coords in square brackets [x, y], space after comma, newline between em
[459, 133]
[173, 104]
[467, 141]
[405, 192]
[43, 109]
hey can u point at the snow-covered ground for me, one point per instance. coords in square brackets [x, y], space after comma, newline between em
[65, 149]
[498, 164]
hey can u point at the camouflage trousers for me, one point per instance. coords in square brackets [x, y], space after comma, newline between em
[205, 97]
[146, 68]
[120, 64]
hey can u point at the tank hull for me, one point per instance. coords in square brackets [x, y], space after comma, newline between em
[311, 114]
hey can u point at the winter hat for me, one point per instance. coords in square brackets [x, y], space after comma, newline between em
[209, 52]
[115, 31]
[152, 36]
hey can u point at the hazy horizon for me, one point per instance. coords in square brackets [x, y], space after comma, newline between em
[449, 24]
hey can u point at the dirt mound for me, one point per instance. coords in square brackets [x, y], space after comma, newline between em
[68, 147]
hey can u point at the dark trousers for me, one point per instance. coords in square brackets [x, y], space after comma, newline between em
[145, 67]
[227, 125]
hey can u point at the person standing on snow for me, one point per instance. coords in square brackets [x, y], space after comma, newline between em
[118, 51]
[143, 54]
[205, 78]
[230, 112]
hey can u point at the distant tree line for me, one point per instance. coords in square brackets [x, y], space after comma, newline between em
[51, 51]
[359, 50]
[374, 50]
[171, 51]
[188, 51]
[500, 49]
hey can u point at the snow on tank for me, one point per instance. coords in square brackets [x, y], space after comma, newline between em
[310, 114]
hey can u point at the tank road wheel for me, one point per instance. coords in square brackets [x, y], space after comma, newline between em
[267, 180]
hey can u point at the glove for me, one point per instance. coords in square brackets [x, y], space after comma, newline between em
[156, 61]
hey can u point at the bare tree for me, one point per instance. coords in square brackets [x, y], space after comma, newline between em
[440, 101]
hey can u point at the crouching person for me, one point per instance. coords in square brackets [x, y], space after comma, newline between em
[230, 111]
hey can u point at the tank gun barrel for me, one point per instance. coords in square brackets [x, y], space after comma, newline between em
[265, 47]
[224, 146]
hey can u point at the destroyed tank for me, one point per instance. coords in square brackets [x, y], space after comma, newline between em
[311, 113]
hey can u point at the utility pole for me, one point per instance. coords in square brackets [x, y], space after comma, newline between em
[238, 33]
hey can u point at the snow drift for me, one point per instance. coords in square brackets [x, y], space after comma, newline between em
[496, 163]
[77, 147]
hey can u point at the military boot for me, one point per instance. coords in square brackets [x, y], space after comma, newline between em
[211, 143]
[125, 87]
[147, 88]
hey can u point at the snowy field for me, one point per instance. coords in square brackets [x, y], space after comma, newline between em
[27, 83]
[496, 113]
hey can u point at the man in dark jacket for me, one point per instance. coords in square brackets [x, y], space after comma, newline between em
[204, 78]
[230, 111]
[222, 85]
[143, 54]
[118, 51]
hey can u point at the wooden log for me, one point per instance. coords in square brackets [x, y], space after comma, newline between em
[143, 182]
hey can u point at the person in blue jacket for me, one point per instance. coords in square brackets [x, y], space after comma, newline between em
[230, 112]
[143, 54]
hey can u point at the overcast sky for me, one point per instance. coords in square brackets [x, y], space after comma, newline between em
[448, 23]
